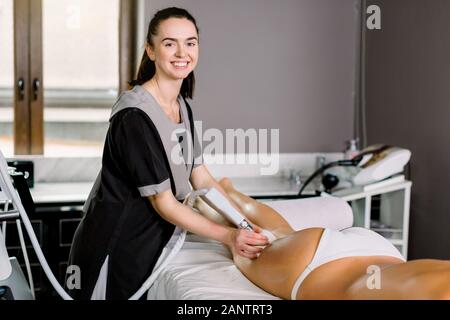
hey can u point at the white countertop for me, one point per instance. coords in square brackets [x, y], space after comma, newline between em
[61, 192]
[79, 191]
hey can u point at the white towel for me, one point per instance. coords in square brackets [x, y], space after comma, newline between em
[325, 212]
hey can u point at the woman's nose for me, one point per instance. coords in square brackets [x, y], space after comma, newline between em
[181, 52]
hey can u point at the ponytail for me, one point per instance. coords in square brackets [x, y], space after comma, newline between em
[146, 71]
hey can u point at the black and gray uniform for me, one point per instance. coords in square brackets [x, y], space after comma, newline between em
[121, 235]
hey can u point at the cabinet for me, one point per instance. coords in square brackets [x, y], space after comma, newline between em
[384, 208]
[54, 225]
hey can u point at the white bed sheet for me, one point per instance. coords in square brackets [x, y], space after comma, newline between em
[204, 270]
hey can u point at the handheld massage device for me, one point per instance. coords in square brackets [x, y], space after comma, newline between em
[221, 204]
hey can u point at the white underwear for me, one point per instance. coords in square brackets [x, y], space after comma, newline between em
[350, 242]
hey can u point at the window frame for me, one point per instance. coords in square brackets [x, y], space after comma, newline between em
[28, 65]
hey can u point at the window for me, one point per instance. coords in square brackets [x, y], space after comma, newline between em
[68, 64]
[80, 71]
[6, 77]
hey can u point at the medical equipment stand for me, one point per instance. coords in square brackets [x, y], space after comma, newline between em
[20, 214]
[11, 275]
[12, 282]
[395, 197]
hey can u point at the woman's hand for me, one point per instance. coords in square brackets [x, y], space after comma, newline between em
[248, 243]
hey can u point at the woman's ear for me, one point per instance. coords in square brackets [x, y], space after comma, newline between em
[150, 52]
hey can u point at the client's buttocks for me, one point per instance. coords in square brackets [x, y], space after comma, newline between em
[281, 262]
[318, 263]
[342, 258]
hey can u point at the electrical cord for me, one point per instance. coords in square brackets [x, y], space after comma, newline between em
[25, 258]
[343, 163]
[355, 161]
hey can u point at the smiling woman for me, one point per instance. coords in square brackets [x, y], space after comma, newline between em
[175, 53]
[180, 52]
[137, 200]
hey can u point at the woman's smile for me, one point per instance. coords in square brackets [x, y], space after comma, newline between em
[180, 64]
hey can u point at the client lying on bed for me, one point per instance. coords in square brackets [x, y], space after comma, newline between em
[319, 263]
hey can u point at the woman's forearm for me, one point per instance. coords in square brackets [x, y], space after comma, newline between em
[185, 218]
[243, 242]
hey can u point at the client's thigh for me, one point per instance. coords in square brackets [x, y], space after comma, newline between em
[416, 279]
[334, 279]
[257, 212]
[281, 262]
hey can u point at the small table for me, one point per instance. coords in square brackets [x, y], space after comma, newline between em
[392, 220]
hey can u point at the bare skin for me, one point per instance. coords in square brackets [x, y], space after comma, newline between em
[281, 262]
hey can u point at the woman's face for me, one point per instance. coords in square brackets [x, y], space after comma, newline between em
[175, 48]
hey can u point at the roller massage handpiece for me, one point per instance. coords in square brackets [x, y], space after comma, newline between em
[220, 203]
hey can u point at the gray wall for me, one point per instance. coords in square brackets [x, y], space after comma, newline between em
[287, 65]
[408, 104]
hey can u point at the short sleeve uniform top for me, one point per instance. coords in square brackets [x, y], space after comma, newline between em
[145, 154]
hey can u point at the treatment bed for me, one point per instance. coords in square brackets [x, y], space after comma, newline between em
[204, 270]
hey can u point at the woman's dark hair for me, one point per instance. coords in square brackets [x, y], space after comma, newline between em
[147, 67]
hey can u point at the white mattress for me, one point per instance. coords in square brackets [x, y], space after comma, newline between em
[204, 270]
